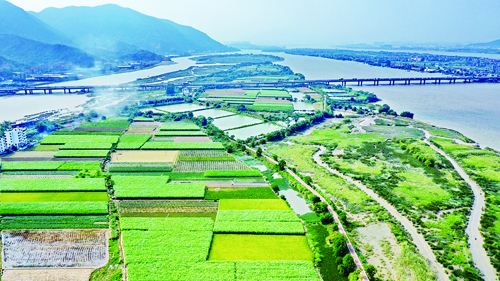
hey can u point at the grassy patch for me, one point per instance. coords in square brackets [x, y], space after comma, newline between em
[239, 247]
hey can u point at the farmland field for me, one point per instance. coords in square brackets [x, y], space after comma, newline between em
[32, 154]
[167, 206]
[240, 247]
[213, 113]
[252, 131]
[31, 166]
[81, 153]
[183, 107]
[232, 173]
[253, 204]
[133, 141]
[182, 145]
[64, 139]
[216, 193]
[191, 139]
[106, 124]
[87, 145]
[80, 165]
[23, 185]
[54, 222]
[155, 187]
[52, 196]
[54, 208]
[258, 221]
[179, 133]
[121, 156]
[202, 166]
[54, 248]
[138, 167]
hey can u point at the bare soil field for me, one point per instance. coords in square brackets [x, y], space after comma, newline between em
[144, 156]
[54, 248]
[57, 274]
[192, 139]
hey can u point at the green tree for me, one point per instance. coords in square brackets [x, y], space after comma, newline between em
[339, 244]
[371, 270]
[349, 264]
[320, 207]
[259, 152]
[281, 165]
[326, 218]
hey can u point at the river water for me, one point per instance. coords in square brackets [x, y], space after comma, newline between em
[473, 109]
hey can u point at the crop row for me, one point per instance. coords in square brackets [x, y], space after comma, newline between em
[240, 193]
[53, 222]
[257, 215]
[179, 127]
[225, 271]
[203, 153]
[74, 184]
[166, 225]
[179, 133]
[50, 166]
[264, 227]
[271, 107]
[87, 145]
[82, 153]
[170, 190]
[207, 158]
[135, 141]
[54, 208]
[82, 133]
[182, 145]
[202, 166]
[140, 167]
[166, 206]
[64, 139]
[232, 173]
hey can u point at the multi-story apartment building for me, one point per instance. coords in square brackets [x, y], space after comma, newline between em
[3, 145]
[16, 137]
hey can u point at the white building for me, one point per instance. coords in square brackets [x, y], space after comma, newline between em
[16, 137]
[3, 145]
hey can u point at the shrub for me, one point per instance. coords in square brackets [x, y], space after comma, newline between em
[320, 207]
[326, 218]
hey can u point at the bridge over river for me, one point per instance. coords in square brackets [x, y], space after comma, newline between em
[47, 89]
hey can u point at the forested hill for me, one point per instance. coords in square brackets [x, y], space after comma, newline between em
[103, 27]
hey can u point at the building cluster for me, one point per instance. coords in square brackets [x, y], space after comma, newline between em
[13, 138]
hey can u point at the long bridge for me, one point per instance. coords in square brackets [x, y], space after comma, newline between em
[47, 89]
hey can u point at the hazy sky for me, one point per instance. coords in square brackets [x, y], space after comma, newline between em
[319, 23]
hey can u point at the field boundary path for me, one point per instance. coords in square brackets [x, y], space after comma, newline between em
[353, 253]
[475, 240]
[418, 239]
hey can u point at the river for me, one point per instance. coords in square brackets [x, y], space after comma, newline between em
[472, 109]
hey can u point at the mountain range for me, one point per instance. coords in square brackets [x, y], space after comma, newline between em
[79, 35]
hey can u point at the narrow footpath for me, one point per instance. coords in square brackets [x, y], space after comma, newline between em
[475, 240]
[418, 239]
[353, 253]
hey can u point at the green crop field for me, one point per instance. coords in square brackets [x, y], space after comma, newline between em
[106, 124]
[54, 222]
[259, 227]
[133, 141]
[81, 153]
[166, 225]
[239, 193]
[83, 133]
[139, 167]
[274, 94]
[143, 119]
[155, 187]
[54, 208]
[233, 174]
[87, 145]
[182, 145]
[263, 106]
[53, 196]
[179, 133]
[240, 247]
[46, 148]
[80, 165]
[24, 185]
[253, 204]
[31, 166]
[64, 139]
[179, 127]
